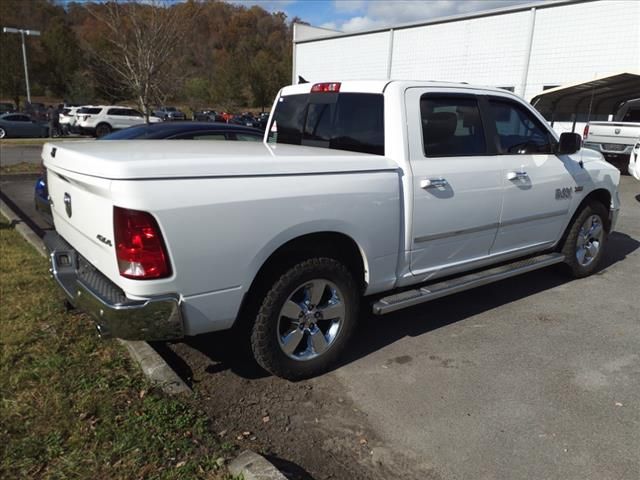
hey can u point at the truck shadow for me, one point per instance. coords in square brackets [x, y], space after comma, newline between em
[231, 352]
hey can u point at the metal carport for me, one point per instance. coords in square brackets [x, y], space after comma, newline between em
[592, 100]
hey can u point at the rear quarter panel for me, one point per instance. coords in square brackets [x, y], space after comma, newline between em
[220, 231]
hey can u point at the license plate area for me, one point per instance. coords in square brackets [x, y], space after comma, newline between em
[613, 147]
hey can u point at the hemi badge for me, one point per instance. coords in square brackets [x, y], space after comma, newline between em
[578, 188]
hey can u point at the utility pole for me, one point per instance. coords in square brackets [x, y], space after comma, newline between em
[22, 32]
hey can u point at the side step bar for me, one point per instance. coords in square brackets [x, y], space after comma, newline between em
[432, 291]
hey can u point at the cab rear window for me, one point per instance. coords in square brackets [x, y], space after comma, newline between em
[340, 121]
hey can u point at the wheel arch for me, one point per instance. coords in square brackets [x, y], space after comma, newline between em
[329, 243]
[599, 195]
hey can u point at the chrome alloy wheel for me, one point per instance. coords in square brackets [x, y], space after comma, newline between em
[589, 240]
[311, 319]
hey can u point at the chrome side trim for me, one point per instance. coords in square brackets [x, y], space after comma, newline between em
[437, 236]
[532, 218]
[432, 291]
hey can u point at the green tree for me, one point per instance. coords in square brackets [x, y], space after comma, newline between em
[62, 56]
[11, 68]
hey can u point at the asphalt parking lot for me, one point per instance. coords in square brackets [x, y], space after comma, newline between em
[535, 377]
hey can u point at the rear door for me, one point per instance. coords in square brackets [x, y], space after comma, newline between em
[538, 185]
[457, 180]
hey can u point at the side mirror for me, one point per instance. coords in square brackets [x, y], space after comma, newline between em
[569, 143]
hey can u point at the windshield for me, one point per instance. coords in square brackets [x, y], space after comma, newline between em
[340, 121]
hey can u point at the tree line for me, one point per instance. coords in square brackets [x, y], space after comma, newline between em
[200, 53]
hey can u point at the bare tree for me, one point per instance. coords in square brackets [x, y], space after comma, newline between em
[143, 37]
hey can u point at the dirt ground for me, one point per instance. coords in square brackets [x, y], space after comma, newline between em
[311, 423]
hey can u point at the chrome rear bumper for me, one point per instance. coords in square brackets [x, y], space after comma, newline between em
[157, 318]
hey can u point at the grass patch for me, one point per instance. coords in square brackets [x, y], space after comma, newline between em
[74, 406]
[22, 167]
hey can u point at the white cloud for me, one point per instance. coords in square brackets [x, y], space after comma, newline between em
[269, 5]
[374, 13]
[349, 6]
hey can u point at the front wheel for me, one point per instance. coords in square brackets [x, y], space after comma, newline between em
[102, 130]
[3, 132]
[585, 242]
[306, 319]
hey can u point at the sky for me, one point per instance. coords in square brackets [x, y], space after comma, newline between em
[354, 15]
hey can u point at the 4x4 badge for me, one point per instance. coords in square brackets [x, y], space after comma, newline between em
[67, 204]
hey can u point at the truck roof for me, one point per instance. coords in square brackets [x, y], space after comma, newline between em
[379, 86]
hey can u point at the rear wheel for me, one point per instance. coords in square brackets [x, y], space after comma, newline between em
[103, 129]
[3, 132]
[584, 245]
[306, 319]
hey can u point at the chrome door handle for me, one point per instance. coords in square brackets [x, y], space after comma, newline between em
[433, 183]
[517, 175]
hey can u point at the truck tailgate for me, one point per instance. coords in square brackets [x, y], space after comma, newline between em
[82, 213]
[613, 132]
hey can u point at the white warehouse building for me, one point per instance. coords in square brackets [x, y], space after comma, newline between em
[526, 48]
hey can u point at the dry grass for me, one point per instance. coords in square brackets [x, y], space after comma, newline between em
[74, 406]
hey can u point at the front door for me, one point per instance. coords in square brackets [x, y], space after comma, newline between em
[537, 194]
[457, 181]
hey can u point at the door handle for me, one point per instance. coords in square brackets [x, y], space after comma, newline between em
[517, 175]
[433, 183]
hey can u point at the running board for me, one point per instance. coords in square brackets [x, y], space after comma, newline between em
[432, 291]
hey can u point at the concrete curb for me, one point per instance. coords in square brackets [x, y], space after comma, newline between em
[152, 364]
[254, 467]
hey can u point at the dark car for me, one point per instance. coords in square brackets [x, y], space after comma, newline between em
[245, 119]
[160, 131]
[169, 113]
[208, 116]
[21, 125]
[187, 131]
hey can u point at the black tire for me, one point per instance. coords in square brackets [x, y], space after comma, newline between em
[570, 247]
[265, 334]
[103, 129]
[3, 133]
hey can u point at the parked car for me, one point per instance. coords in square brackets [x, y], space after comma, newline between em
[158, 131]
[634, 161]
[188, 131]
[169, 113]
[244, 119]
[14, 125]
[103, 119]
[616, 139]
[208, 116]
[6, 107]
[401, 192]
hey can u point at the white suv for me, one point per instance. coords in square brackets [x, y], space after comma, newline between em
[103, 119]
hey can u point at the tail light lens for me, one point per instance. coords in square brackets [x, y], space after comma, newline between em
[326, 87]
[585, 132]
[139, 245]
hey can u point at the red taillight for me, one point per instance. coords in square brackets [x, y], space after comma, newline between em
[139, 246]
[326, 87]
[585, 132]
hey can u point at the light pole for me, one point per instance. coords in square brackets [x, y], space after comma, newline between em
[22, 32]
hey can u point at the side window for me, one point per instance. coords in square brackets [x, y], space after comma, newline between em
[114, 111]
[358, 125]
[208, 136]
[243, 137]
[519, 131]
[451, 126]
[632, 115]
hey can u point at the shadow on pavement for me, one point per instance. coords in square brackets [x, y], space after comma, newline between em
[231, 352]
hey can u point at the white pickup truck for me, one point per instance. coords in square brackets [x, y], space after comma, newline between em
[397, 191]
[616, 139]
